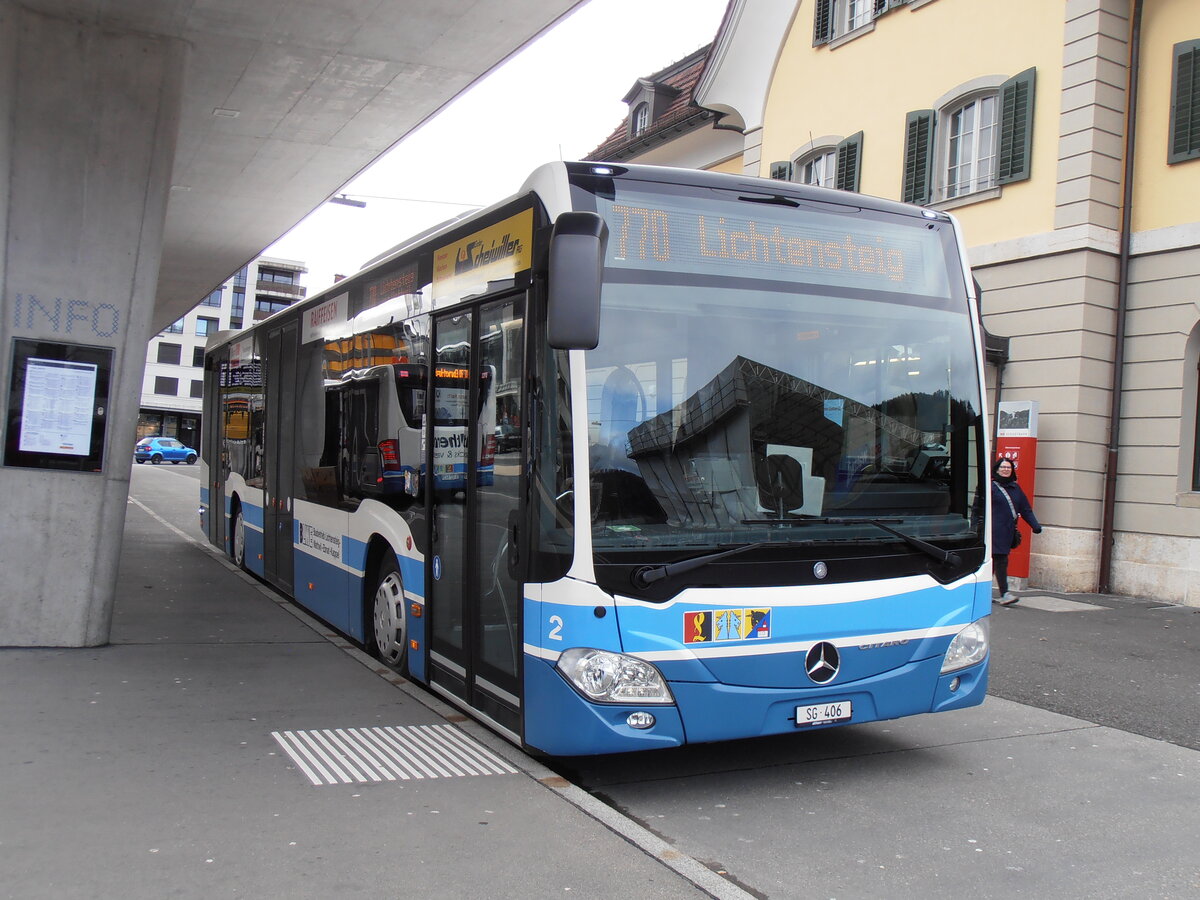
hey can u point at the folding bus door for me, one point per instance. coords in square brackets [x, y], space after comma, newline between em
[212, 443]
[279, 456]
[474, 596]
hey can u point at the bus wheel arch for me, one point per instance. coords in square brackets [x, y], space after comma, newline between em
[385, 629]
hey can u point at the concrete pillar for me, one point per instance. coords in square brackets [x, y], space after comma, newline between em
[88, 123]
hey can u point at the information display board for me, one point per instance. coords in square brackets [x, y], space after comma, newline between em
[1017, 440]
[57, 406]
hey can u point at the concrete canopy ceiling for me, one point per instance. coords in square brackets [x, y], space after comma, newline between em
[287, 100]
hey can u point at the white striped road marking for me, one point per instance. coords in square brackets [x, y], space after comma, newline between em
[362, 755]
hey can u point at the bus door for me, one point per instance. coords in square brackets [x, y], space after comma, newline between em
[279, 454]
[474, 596]
[212, 444]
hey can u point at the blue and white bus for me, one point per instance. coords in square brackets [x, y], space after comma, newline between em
[742, 488]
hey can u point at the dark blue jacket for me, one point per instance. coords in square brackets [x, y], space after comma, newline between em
[1003, 522]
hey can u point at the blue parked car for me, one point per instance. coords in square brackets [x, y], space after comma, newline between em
[156, 449]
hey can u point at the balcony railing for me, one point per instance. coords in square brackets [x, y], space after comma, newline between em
[292, 291]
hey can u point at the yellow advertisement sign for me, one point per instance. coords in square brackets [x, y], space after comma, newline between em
[499, 251]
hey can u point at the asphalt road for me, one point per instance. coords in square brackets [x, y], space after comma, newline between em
[1046, 788]
[1078, 777]
[1129, 664]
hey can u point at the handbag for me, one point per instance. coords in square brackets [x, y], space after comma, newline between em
[1016, 540]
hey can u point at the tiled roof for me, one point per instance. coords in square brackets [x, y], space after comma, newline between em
[680, 116]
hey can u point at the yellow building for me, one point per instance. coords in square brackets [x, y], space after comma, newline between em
[1065, 136]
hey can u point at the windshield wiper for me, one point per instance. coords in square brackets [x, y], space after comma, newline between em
[647, 575]
[946, 557]
[776, 199]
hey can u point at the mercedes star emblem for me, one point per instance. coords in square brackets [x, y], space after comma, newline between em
[822, 662]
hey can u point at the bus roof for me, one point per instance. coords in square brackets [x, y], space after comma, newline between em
[551, 182]
[727, 181]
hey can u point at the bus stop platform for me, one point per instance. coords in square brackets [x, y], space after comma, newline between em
[224, 744]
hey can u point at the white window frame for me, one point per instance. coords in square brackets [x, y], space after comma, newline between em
[852, 15]
[824, 159]
[823, 147]
[971, 94]
[968, 147]
[850, 19]
[641, 118]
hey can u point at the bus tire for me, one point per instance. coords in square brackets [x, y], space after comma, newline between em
[237, 539]
[386, 631]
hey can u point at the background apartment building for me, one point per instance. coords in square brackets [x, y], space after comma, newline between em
[173, 384]
[1065, 136]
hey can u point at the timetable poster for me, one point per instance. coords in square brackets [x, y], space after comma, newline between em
[57, 407]
[57, 415]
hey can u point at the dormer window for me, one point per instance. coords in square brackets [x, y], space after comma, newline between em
[658, 109]
[648, 100]
[641, 118]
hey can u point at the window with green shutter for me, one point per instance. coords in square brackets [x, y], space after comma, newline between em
[834, 18]
[1185, 103]
[1016, 127]
[822, 22]
[818, 167]
[978, 139]
[918, 156]
[849, 162]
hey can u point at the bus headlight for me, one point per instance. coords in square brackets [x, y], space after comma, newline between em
[607, 677]
[970, 646]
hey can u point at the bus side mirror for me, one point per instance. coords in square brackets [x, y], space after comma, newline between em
[576, 261]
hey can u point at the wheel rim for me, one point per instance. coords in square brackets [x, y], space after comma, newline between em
[156, 459]
[389, 618]
[239, 540]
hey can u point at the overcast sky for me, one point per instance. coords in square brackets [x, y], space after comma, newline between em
[558, 99]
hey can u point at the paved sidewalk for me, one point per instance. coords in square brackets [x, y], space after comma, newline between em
[148, 768]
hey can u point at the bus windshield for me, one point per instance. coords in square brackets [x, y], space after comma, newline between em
[770, 362]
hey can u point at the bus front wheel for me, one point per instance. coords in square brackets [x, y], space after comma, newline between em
[386, 637]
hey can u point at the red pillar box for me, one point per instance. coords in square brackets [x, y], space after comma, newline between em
[1017, 440]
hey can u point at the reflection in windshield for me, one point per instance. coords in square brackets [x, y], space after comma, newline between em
[714, 411]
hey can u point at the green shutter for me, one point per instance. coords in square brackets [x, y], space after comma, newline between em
[1185, 103]
[849, 163]
[1016, 127]
[781, 171]
[822, 22]
[918, 155]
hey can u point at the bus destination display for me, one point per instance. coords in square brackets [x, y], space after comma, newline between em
[780, 243]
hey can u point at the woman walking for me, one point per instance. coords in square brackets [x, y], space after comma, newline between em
[1008, 502]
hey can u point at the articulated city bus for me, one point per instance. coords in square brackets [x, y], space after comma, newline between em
[639, 457]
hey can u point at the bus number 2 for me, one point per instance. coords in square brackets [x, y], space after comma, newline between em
[556, 631]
